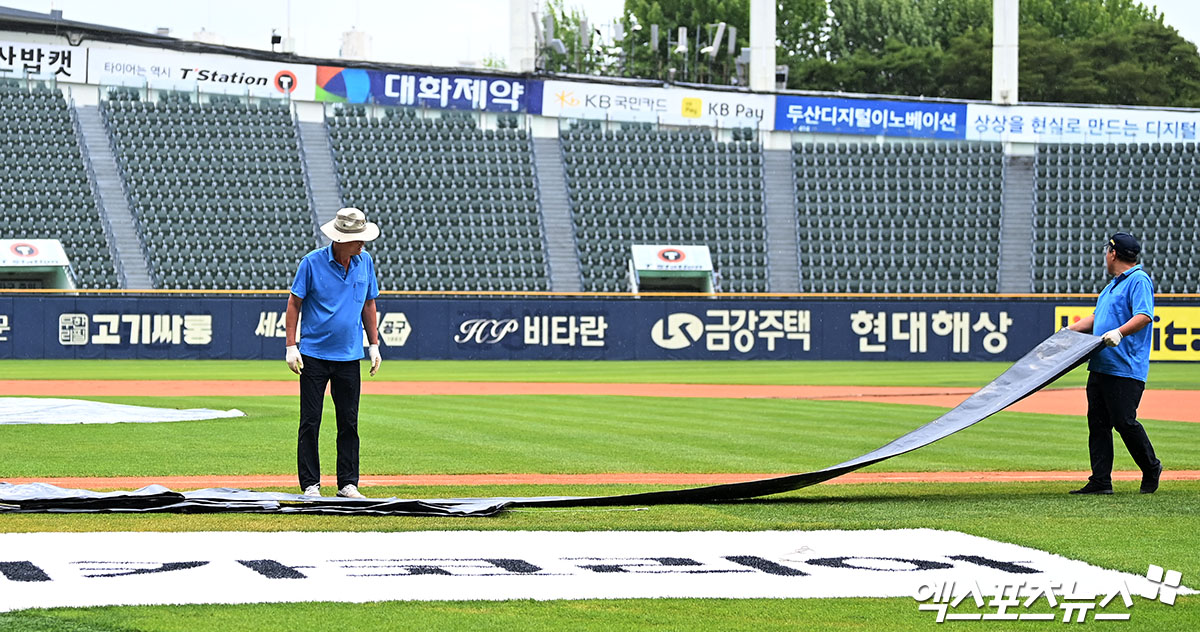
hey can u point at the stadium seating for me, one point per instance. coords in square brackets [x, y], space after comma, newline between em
[643, 185]
[898, 217]
[44, 180]
[216, 188]
[1084, 193]
[458, 203]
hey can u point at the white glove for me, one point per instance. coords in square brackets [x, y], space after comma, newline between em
[294, 362]
[373, 351]
[1112, 338]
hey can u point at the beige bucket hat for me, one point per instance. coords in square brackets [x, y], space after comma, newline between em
[350, 225]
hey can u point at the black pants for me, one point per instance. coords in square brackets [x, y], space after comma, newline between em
[345, 386]
[1112, 403]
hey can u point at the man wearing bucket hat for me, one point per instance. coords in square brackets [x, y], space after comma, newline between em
[1118, 371]
[334, 291]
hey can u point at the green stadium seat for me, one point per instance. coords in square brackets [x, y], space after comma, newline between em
[44, 183]
[202, 176]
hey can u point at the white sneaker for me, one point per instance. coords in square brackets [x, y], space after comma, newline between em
[349, 491]
[313, 490]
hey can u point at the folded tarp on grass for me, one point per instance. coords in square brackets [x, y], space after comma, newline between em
[1051, 359]
[49, 410]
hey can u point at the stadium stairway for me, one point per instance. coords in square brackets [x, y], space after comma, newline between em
[783, 255]
[1016, 226]
[318, 167]
[556, 216]
[112, 198]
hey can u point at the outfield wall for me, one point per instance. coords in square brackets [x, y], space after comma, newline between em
[226, 327]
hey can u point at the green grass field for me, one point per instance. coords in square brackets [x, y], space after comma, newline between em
[562, 434]
[1163, 375]
[577, 434]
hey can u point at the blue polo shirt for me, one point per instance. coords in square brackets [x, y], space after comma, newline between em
[1129, 293]
[333, 298]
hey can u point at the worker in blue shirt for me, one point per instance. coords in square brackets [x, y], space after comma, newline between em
[1124, 312]
[333, 298]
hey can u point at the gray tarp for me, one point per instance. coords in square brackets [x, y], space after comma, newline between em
[1054, 357]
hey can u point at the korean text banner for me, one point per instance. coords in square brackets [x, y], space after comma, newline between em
[566, 329]
[66, 63]
[675, 106]
[419, 89]
[211, 73]
[1053, 124]
[869, 117]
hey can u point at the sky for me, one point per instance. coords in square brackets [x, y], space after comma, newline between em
[420, 32]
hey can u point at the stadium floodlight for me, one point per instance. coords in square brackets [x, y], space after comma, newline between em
[547, 33]
[712, 49]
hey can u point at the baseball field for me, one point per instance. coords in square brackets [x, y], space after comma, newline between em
[481, 429]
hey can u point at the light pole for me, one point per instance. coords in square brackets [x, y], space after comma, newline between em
[634, 27]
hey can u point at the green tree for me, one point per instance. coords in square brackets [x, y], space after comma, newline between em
[967, 67]
[799, 25]
[1051, 69]
[1148, 64]
[1076, 51]
[1071, 51]
[871, 24]
[698, 16]
[583, 55]
[898, 69]
[1075, 19]
[800, 28]
[491, 60]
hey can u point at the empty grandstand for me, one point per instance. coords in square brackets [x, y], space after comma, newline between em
[457, 203]
[219, 195]
[44, 181]
[1084, 193]
[643, 185]
[898, 217]
[216, 188]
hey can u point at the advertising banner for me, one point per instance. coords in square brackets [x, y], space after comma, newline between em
[1176, 330]
[66, 63]
[566, 329]
[211, 73]
[672, 106]
[911, 119]
[419, 89]
[1052, 124]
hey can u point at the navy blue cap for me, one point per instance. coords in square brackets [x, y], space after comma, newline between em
[1125, 245]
